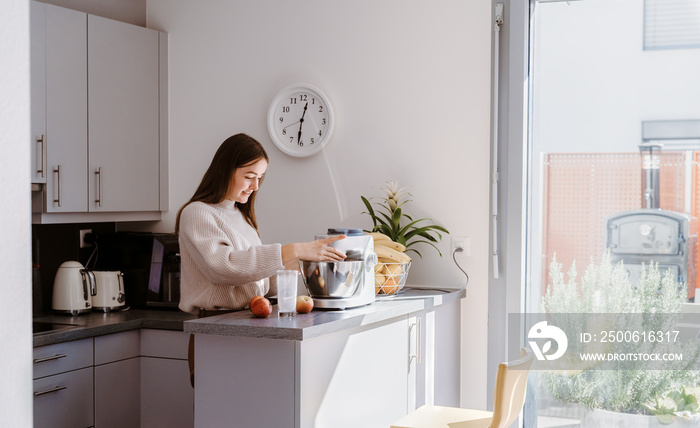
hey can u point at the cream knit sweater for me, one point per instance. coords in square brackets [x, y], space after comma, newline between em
[223, 261]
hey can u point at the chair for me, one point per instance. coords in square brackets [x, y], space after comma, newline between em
[509, 397]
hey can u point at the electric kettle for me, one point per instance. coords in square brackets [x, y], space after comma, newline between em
[73, 289]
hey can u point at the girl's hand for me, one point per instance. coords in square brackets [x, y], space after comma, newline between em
[314, 251]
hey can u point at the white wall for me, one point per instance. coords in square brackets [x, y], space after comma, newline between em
[410, 85]
[15, 230]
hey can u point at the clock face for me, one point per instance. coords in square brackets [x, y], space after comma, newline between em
[300, 120]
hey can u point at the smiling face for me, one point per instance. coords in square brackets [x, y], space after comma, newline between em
[245, 181]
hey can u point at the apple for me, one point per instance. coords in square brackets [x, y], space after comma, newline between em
[260, 307]
[304, 304]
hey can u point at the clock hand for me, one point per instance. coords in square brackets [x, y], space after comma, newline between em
[285, 127]
[301, 122]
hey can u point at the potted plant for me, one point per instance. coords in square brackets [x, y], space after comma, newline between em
[396, 233]
[631, 395]
[390, 219]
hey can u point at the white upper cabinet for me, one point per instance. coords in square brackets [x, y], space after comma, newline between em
[123, 111]
[38, 91]
[97, 118]
[66, 110]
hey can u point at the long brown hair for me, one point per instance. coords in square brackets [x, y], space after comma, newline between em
[235, 152]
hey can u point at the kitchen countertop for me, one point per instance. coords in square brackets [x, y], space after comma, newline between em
[242, 323]
[66, 327]
[321, 322]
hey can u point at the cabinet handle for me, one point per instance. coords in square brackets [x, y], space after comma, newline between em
[51, 358]
[98, 190]
[41, 164]
[50, 390]
[417, 355]
[56, 200]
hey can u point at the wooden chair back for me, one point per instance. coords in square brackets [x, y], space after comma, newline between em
[510, 391]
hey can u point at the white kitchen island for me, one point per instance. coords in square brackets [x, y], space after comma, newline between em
[362, 367]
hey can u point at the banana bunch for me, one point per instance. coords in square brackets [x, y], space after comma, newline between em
[391, 257]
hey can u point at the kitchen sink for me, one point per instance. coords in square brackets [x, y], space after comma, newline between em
[39, 327]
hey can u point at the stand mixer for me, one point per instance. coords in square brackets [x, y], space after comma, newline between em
[344, 284]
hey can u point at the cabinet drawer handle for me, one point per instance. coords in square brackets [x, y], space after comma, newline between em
[51, 358]
[50, 390]
[98, 185]
[56, 200]
[41, 154]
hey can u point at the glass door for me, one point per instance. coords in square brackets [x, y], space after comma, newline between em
[614, 114]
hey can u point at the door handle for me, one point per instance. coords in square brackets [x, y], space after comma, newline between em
[41, 164]
[50, 390]
[98, 187]
[57, 200]
[417, 355]
[51, 358]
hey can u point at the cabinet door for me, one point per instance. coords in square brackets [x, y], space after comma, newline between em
[167, 398]
[118, 395]
[38, 91]
[64, 400]
[66, 110]
[355, 378]
[124, 119]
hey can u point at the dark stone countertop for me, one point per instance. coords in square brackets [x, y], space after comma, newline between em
[320, 322]
[66, 327]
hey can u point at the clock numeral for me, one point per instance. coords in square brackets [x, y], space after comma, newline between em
[293, 100]
[302, 98]
[320, 109]
[313, 101]
[319, 132]
[285, 109]
[312, 140]
[284, 131]
[323, 121]
[281, 119]
[291, 140]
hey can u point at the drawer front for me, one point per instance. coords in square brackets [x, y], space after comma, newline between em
[64, 400]
[62, 357]
[117, 346]
[164, 343]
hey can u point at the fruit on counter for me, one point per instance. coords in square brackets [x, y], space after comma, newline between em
[382, 239]
[304, 304]
[388, 277]
[389, 272]
[260, 307]
[384, 252]
[391, 285]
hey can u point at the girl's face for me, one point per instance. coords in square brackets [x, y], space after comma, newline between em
[245, 181]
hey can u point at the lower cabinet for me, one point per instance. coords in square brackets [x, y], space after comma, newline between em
[167, 398]
[131, 379]
[64, 400]
[63, 385]
[354, 378]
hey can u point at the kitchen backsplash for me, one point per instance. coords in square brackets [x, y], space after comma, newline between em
[55, 244]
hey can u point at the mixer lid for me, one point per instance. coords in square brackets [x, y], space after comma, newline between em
[345, 231]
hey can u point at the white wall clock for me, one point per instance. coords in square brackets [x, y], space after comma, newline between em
[300, 120]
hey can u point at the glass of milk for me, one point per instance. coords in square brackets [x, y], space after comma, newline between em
[287, 293]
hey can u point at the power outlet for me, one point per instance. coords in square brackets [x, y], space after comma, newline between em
[83, 243]
[462, 245]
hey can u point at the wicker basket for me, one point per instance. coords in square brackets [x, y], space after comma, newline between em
[390, 278]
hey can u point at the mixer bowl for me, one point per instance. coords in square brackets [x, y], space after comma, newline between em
[331, 279]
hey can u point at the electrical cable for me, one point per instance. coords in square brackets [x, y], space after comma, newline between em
[459, 250]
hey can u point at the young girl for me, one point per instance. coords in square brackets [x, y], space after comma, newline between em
[223, 262]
